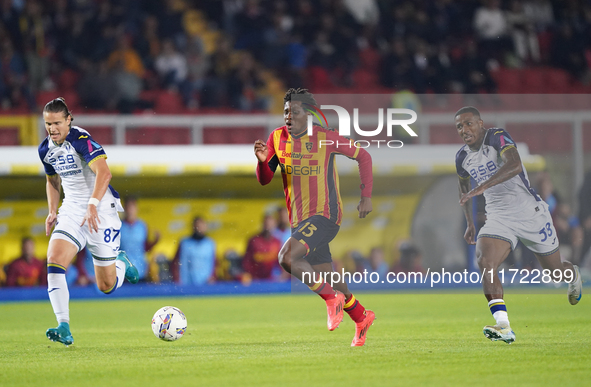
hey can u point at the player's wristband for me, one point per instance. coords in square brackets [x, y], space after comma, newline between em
[94, 201]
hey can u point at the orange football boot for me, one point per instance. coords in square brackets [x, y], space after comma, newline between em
[335, 308]
[361, 329]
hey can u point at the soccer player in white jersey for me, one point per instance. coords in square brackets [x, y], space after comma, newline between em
[513, 212]
[87, 217]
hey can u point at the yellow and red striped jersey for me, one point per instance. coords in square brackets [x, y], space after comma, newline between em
[310, 178]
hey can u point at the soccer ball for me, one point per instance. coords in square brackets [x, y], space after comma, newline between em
[169, 323]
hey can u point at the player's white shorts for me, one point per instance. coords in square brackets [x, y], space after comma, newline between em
[533, 228]
[104, 245]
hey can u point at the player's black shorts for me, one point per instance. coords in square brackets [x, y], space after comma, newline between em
[315, 233]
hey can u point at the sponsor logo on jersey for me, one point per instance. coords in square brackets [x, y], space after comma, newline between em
[65, 167]
[70, 173]
[295, 155]
[83, 136]
[301, 170]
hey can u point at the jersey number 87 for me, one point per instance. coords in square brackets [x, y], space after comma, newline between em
[111, 235]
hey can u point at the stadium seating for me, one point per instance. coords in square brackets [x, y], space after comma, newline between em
[536, 80]
[9, 136]
[68, 79]
[557, 81]
[369, 59]
[158, 136]
[555, 137]
[365, 80]
[319, 78]
[233, 135]
[169, 102]
[19, 219]
[45, 96]
[104, 135]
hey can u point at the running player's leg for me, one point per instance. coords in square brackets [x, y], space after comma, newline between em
[321, 261]
[110, 272]
[59, 256]
[325, 269]
[363, 319]
[110, 265]
[559, 268]
[294, 258]
[311, 233]
[563, 271]
[291, 258]
[109, 278]
[539, 235]
[490, 253]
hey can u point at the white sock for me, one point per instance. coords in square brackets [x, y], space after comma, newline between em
[59, 295]
[501, 317]
[120, 270]
[499, 311]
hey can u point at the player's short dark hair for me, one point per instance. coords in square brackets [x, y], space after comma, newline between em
[468, 109]
[302, 95]
[58, 105]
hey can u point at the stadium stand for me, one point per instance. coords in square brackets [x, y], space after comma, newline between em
[353, 54]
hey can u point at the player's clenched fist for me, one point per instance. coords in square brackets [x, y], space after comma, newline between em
[260, 150]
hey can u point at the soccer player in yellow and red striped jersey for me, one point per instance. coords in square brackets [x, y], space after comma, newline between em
[311, 187]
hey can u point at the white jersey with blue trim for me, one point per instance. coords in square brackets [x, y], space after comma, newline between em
[71, 161]
[505, 199]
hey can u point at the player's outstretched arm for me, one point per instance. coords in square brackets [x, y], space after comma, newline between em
[101, 184]
[53, 190]
[512, 167]
[470, 234]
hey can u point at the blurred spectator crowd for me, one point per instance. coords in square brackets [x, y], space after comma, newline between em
[181, 55]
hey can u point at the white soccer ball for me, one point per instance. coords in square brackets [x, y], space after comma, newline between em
[169, 323]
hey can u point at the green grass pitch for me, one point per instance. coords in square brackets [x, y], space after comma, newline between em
[417, 339]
